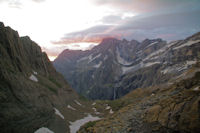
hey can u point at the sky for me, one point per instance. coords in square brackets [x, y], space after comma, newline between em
[81, 24]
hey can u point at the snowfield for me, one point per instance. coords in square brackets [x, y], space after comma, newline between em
[43, 130]
[98, 65]
[121, 60]
[75, 126]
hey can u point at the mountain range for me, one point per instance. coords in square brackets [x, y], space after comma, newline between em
[115, 67]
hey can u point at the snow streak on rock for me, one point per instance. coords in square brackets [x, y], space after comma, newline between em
[57, 112]
[33, 78]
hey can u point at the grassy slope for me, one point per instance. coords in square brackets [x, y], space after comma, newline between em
[156, 109]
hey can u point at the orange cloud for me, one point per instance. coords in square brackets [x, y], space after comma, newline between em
[86, 39]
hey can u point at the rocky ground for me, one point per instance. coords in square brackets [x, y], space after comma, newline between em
[158, 109]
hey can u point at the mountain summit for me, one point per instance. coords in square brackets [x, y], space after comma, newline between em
[115, 67]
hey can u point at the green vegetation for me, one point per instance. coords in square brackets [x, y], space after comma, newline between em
[52, 89]
[117, 104]
[55, 82]
[83, 98]
[48, 84]
[89, 124]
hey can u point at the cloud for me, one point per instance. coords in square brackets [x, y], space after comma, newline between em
[149, 6]
[15, 4]
[38, 1]
[167, 19]
[167, 26]
[181, 24]
[12, 3]
[94, 34]
[18, 3]
[110, 19]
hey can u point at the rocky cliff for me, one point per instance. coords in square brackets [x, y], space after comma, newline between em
[32, 93]
[115, 67]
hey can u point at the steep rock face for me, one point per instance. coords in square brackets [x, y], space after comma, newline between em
[30, 87]
[115, 67]
[158, 109]
[94, 70]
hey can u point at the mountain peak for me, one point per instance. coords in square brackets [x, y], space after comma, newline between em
[1, 24]
[108, 40]
[26, 37]
[194, 37]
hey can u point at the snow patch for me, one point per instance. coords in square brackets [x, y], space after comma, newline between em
[151, 44]
[105, 58]
[191, 62]
[43, 130]
[108, 107]
[97, 113]
[127, 69]
[81, 59]
[189, 43]
[178, 67]
[93, 58]
[70, 107]
[132, 68]
[173, 69]
[171, 43]
[93, 104]
[111, 111]
[151, 63]
[121, 60]
[156, 54]
[74, 126]
[77, 102]
[35, 73]
[196, 88]
[57, 112]
[138, 66]
[139, 52]
[167, 70]
[98, 65]
[33, 78]
[95, 110]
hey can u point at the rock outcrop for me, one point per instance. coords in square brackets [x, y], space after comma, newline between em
[30, 88]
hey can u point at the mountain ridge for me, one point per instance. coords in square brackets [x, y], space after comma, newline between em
[33, 96]
[112, 60]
